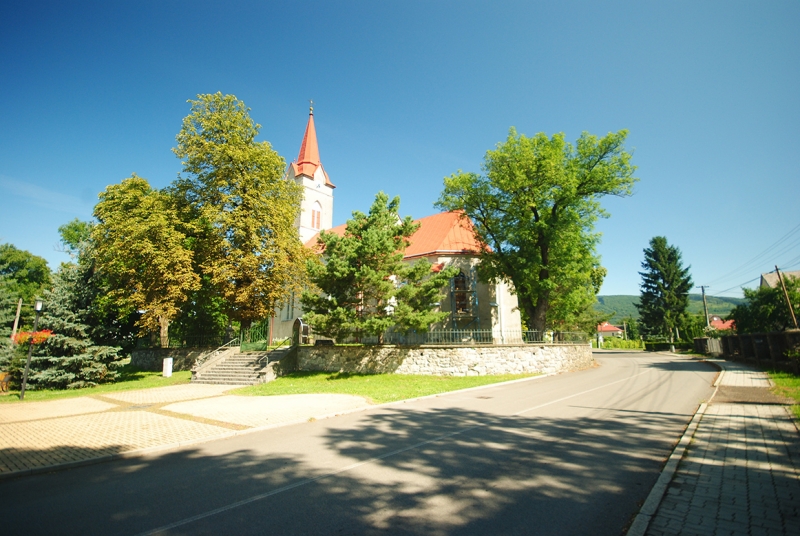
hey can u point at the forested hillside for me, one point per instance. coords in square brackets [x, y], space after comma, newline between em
[621, 306]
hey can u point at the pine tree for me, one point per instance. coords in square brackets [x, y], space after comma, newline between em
[8, 304]
[364, 287]
[665, 289]
[70, 358]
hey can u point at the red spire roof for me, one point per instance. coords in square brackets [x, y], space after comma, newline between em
[308, 160]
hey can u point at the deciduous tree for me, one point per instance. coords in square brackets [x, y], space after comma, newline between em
[244, 212]
[142, 253]
[535, 206]
[27, 276]
[765, 308]
[665, 289]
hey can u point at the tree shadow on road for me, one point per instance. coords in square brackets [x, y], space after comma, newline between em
[392, 470]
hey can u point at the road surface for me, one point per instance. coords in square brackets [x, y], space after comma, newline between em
[574, 453]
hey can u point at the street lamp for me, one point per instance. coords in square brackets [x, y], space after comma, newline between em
[38, 308]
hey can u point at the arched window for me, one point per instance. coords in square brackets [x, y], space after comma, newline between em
[316, 215]
[461, 295]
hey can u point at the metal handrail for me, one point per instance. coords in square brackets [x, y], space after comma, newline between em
[213, 353]
[285, 342]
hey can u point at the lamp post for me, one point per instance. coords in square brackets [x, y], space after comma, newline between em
[38, 308]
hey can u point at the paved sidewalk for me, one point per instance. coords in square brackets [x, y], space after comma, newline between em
[38, 435]
[741, 474]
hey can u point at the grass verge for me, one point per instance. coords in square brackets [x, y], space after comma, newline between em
[130, 378]
[787, 384]
[377, 388]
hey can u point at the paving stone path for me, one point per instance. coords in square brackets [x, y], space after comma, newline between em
[38, 435]
[741, 474]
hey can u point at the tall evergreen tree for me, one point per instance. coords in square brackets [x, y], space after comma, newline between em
[8, 305]
[665, 289]
[363, 286]
[70, 358]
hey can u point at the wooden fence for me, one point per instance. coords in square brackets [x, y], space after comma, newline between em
[766, 349]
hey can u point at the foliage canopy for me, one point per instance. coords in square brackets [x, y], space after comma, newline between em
[665, 289]
[535, 206]
[243, 212]
[363, 285]
[142, 252]
[765, 308]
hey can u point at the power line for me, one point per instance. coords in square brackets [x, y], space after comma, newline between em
[758, 258]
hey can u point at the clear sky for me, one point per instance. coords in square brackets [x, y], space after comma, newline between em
[407, 92]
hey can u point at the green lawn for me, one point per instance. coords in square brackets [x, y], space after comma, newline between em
[787, 384]
[130, 378]
[377, 388]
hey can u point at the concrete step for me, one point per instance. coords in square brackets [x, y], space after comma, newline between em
[221, 382]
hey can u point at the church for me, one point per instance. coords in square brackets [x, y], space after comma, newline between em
[444, 239]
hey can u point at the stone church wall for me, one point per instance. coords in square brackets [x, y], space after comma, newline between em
[445, 361]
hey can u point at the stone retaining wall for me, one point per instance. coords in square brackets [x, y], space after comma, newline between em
[152, 358]
[446, 361]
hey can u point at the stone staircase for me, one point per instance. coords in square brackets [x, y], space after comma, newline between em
[240, 368]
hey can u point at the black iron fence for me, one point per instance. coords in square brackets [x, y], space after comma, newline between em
[469, 337]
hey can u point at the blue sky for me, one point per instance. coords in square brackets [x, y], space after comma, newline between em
[409, 92]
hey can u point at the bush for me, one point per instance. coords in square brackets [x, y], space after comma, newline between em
[615, 342]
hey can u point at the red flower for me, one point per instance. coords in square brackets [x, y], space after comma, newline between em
[23, 337]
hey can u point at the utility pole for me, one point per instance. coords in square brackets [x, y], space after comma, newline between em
[786, 295]
[16, 319]
[705, 304]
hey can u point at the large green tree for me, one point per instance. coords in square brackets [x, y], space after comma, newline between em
[534, 207]
[665, 288]
[363, 285]
[233, 191]
[142, 253]
[26, 276]
[765, 308]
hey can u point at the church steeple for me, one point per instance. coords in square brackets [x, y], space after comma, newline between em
[308, 160]
[316, 208]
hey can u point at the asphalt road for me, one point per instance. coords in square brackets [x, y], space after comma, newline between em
[574, 453]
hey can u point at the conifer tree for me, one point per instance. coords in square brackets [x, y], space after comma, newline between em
[665, 289]
[8, 305]
[363, 286]
[70, 358]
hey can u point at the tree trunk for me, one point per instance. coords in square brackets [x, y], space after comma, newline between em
[539, 319]
[164, 331]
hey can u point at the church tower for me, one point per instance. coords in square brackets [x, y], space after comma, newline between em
[316, 209]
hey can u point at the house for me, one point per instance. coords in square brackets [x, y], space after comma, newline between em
[444, 239]
[607, 330]
[771, 279]
[717, 322]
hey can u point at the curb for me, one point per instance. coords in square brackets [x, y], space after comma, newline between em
[234, 433]
[653, 501]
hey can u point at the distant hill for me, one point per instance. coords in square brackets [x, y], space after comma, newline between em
[624, 305]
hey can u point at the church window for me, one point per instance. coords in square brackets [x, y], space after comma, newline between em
[316, 216]
[460, 292]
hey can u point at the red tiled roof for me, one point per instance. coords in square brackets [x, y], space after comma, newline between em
[446, 233]
[722, 324]
[605, 327]
[308, 160]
